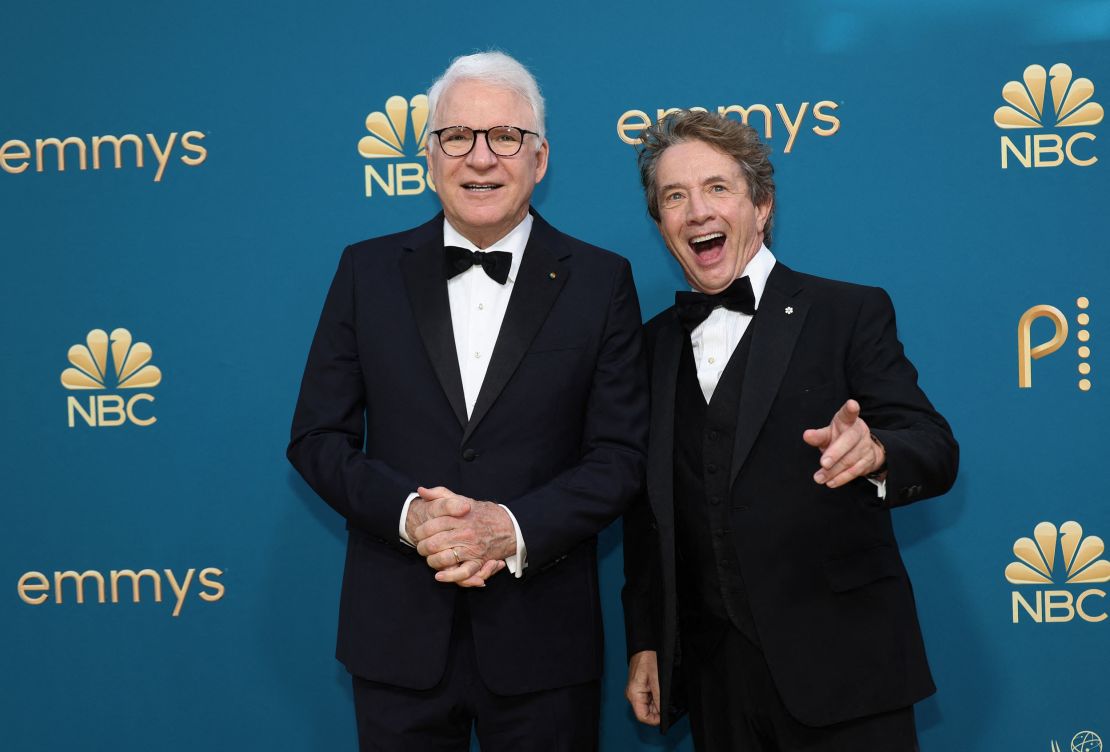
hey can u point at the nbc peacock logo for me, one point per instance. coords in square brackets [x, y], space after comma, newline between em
[1026, 109]
[1058, 556]
[397, 135]
[130, 370]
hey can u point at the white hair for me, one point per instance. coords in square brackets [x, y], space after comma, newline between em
[494, 68]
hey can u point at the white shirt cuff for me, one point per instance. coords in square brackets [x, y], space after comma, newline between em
[880, 487]
[401, 532]
[518, 561]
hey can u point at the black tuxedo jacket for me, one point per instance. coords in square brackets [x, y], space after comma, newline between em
[830, 597]
[558, 434]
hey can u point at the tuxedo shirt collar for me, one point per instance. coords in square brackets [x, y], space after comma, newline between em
[514, 242]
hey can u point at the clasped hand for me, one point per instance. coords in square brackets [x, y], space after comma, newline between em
[466, 541]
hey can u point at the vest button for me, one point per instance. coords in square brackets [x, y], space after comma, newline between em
[713, 435]
[711, 468]
[714, 499]
[469, 455]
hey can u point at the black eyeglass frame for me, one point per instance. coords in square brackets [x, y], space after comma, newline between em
[485, 132]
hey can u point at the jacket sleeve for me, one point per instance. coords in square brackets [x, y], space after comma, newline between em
[922, 454]
[328, 430]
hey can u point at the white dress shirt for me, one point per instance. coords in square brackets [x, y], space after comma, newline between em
[715, 339]
[478, 306]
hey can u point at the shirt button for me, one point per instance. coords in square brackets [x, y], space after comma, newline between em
[477, 355]
[469, 455]
[712, 361]
[481, 306]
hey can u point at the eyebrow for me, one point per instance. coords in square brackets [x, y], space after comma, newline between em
[707, 181]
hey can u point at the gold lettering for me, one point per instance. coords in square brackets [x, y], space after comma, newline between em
[110, 404]
[115, 576]
[25, 586]
[631, 124]
[217, 588]
[792, 126]
[1027, 353]
[1024, 157]
[1035, 613]
[663, 112]
[373, 176]
[60, 146]
[832, 120]
[59, 577]
[117, 143]
[15, 150]
[131, 410]
[179, 590]
[162, 155]
[74, 404]
[1050, 144]
[410, 174]
[1071, 156]
[1055, 601]
[189, 146]
[1083, 614]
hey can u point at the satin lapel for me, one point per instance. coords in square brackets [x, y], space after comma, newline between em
[422, 267]
[540, 278]
[664, 383]
[776, 327]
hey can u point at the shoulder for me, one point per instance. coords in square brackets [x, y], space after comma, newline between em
[579, 252]
[825, 290]
[386, 248]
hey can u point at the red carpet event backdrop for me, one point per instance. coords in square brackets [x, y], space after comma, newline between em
[177, 184]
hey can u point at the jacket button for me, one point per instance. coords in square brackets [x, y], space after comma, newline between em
[469, 455]
[714, 499]
[711, 468]
[712, 435]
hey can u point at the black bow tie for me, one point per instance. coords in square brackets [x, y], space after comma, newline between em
[695, 307]
[495, 263]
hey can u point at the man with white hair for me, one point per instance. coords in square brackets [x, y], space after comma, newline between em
[474, 400]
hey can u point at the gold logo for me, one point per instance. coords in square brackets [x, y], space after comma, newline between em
[1075, 561]
[130, 369]
[633, 122]
[1026, 108]
[36, 588]
[1028, 352]
[388, 134]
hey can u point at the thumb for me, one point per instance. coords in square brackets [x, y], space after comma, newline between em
[817, 437]
[431, 494]
[847, 414]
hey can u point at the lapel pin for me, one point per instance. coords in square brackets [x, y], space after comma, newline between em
[552, 275]
[789, 310]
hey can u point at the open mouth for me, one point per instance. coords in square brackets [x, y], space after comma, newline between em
[481, 187]
[707, 243]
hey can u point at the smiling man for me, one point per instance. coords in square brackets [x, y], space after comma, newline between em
[765, 593]
[474, 401]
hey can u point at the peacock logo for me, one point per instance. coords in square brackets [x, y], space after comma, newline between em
[130, 369]
[1058, 556]
[1026, 109]
[398, 132]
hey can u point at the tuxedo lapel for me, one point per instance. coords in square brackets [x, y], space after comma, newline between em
[539, 280]
[775, 330]
[664, 385]
[422, 268]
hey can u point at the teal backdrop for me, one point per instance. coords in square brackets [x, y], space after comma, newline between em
[218, 250]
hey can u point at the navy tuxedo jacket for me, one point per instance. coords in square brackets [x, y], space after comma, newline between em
[830, 597]
[558, 434]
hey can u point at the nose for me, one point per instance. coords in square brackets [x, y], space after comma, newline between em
[481, 157]
[698, 209]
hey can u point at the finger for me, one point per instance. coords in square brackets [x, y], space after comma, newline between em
[452, 555]
[462, 572]
[451, 506]
[853, 439]
[490, 568]
[817, 437]
[847, 413]
[433, 527]
[436, 492]
[850, 474]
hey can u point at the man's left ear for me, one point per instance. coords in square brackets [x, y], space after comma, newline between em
[541, 160]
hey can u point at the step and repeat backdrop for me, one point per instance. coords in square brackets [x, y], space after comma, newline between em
[177, 182]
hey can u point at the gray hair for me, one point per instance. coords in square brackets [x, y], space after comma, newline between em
[497, 69]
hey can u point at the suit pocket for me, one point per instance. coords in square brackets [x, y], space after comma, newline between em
[863, 567]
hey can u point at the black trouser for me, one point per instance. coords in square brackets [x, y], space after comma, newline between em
[393, 719]
[735, 707]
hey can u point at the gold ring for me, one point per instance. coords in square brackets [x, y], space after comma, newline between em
[457, 559]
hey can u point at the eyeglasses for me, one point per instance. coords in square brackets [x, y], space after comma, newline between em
[502, 140]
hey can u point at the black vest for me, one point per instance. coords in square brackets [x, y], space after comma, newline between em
[711, 587]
